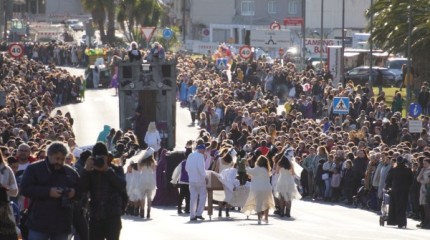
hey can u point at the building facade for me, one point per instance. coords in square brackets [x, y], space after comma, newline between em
[208, 22]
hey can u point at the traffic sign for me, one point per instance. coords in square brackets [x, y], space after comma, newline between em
[415, 126]
[221, 63]
[206, 32]
[147, 32]
[275, 26]
[415, 110]
[293, 21]
[167, 33]
[16, 50]
[341, 105]
[245, 52]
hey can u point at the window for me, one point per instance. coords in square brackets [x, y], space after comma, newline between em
[271, 7]
[248, 8]
[293, 7]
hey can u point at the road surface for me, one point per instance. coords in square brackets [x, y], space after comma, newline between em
[101, 108]
[311, 220]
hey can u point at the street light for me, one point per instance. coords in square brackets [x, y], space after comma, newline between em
[342, 51]
[408, 74]
[371, 44]
[321, 34]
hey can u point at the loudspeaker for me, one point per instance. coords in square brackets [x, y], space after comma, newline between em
[166, 70]
[127, 72]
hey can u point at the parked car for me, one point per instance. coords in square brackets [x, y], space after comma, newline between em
[360, 75]
[395, 66]
[74, 24]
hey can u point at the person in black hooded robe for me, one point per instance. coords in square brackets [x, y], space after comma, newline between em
[398, 184]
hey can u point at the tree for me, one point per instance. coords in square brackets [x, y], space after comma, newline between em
[100, 9]
[133, 14]
[390, 29]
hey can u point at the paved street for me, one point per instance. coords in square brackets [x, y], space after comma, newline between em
[310, 220]
[101, 108]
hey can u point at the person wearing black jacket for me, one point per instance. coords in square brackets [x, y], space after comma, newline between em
[398, 183]
[51, 186]
[106, 185]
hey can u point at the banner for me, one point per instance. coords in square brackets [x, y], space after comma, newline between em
[313, 46]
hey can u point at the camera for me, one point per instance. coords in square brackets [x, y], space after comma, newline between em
[65, 201]
[99, 161]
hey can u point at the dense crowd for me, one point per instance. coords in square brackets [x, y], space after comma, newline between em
[267, 130]
[345, 157]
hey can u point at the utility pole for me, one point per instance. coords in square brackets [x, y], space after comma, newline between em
[184, 32]
[371, 44]
[304, 34]
[408, 77]
[342, 51]
[5, 8]
[322, 35]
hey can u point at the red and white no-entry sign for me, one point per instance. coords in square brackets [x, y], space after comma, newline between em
[245, 52]
[16, 50]
[275, 26]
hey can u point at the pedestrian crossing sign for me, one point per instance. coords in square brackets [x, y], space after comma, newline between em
[221, 63]
[341, 105]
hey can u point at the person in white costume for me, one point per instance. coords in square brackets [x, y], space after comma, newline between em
[260, 197]
[195, 168]
[141, 181]
[285, 187]
[152, 138]
[146, 181]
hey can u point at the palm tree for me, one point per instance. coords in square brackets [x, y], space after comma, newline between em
[390, 29]
[100, 9]
[133, 14]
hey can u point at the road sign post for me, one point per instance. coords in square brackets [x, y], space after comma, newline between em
[245, 52]
[341, 105]
[16, 50]
[168, 35]
[147, 33]
[275, 26]
[415, 110]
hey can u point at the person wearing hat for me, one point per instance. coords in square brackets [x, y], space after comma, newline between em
[398, 183]
[195, 167]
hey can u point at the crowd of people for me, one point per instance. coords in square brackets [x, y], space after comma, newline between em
[28, 124]
[345, 158]
[279, 153]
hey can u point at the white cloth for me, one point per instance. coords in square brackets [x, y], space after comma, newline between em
[152, 139]
[286, 186]
[230, 183]
[198, 195]
[195, 168]
[132, 186]
[7, 179]
[176, 176]
[260, 196]
[145, 182]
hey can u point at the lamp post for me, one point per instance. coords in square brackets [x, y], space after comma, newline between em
[409, 74]
[371, 44]
[321, 34]
[342, 51]
[304, 33]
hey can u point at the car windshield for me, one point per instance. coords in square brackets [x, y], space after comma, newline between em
[396, 64]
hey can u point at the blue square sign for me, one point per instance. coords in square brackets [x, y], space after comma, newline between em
[341, 105]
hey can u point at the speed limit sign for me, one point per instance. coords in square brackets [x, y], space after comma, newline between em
[245, 52]
[16, 50]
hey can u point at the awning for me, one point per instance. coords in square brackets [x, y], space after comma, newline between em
[350, 54]
[383, 54]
